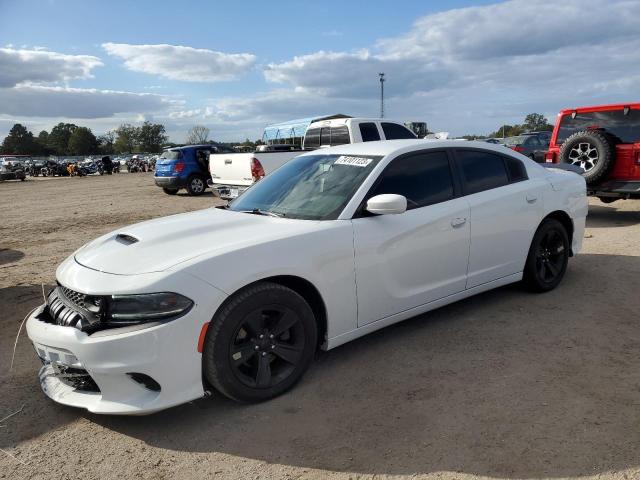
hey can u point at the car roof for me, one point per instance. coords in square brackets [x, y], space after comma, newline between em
[397, 147]
[599, 108]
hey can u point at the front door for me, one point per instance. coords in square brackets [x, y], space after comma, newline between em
[407, 260]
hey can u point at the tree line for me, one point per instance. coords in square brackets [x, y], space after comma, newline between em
[71, 139]
[534, 122]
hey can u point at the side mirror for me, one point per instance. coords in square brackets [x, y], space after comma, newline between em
[387, 204]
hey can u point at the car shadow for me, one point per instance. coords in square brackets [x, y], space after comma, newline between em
[8, 255]
[601, 216]
[503, 384]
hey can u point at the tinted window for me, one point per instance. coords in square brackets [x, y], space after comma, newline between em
[312, 138]
[481, 170]
[325, 136]
[532, 142]
[424, 178]
[393, 131]
[340, 135]
[369, 132]
[516, 169]
[625, 127]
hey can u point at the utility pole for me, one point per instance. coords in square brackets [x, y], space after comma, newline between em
[381, 75]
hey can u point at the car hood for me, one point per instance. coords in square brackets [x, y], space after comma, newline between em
[160, 244]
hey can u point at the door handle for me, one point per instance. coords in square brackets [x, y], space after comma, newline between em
[532, 199]
[456, 222]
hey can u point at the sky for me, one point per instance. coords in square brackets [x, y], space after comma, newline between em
[235, 66]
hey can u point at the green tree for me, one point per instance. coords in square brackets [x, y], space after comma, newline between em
[59, 137]
[151, 137]
[106, 142]
[536, 122]
[20, 141]
[83, 142]
[43, 143]
[126, 138]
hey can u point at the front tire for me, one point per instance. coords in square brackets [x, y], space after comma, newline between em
[548, 257]
[260, 343]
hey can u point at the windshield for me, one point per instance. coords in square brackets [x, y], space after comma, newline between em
[514, 140]
[171, 155]
[311, 187]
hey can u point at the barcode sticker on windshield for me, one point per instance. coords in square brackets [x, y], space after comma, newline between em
[353, 161]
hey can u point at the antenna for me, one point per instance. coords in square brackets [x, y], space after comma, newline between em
[382, 80]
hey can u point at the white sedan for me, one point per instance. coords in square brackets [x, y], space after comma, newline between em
[333, 245]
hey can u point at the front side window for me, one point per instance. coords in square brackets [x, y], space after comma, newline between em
[626, 128]
[393, 131]
[369, 132]
[310, 187]
[422, 178]
[481, 170]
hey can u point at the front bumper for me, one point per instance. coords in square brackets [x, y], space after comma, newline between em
[169, 182]
[167, 353]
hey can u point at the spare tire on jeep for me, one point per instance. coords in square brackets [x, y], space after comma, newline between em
[592, 150]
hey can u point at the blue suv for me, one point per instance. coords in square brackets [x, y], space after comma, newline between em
[186, 167]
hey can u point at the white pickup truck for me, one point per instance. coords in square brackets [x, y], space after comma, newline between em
[233, 173]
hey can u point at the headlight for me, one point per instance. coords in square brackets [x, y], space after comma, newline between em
[134, 309]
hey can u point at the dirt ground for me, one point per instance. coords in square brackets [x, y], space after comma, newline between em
[503, 385]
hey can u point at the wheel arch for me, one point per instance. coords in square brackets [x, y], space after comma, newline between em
[564, 218]
[302, 287]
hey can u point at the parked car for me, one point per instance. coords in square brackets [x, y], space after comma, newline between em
[528, 145]
[10, 170]
[233, 173]
[238, 298]
[185, 167]
[604, 140]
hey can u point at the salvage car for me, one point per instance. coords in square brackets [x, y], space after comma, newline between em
[335, 244]
[11, 170]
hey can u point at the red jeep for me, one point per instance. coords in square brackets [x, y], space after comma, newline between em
[605, 141]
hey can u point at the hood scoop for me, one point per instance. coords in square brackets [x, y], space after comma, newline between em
[126, 239]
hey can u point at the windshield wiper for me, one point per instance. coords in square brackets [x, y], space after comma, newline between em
[266, 213]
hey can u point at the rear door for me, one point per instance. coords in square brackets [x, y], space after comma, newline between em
[505, 210]
[407, 260]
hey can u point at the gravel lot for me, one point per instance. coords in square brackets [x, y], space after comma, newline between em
[503, 385]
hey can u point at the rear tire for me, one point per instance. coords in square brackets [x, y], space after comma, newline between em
[260, 343]
[548, 257]
[170, 191]
[196, 185]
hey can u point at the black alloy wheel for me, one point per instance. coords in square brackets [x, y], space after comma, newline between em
[548, 256]
[259, 343]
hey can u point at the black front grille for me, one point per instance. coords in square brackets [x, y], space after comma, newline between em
[74, 297]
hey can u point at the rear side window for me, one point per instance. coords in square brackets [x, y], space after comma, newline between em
[625, 127]
[340, 135]
[312, 138]
[516, 169]
[423, 178]
[369, 132]
[393, 131]
[481, 170]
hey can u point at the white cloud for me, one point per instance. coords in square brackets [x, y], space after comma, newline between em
[40, 66]
[469, 69]
[40, 101]
[177, 62]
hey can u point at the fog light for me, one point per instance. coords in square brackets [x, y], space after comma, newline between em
[145, 380]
